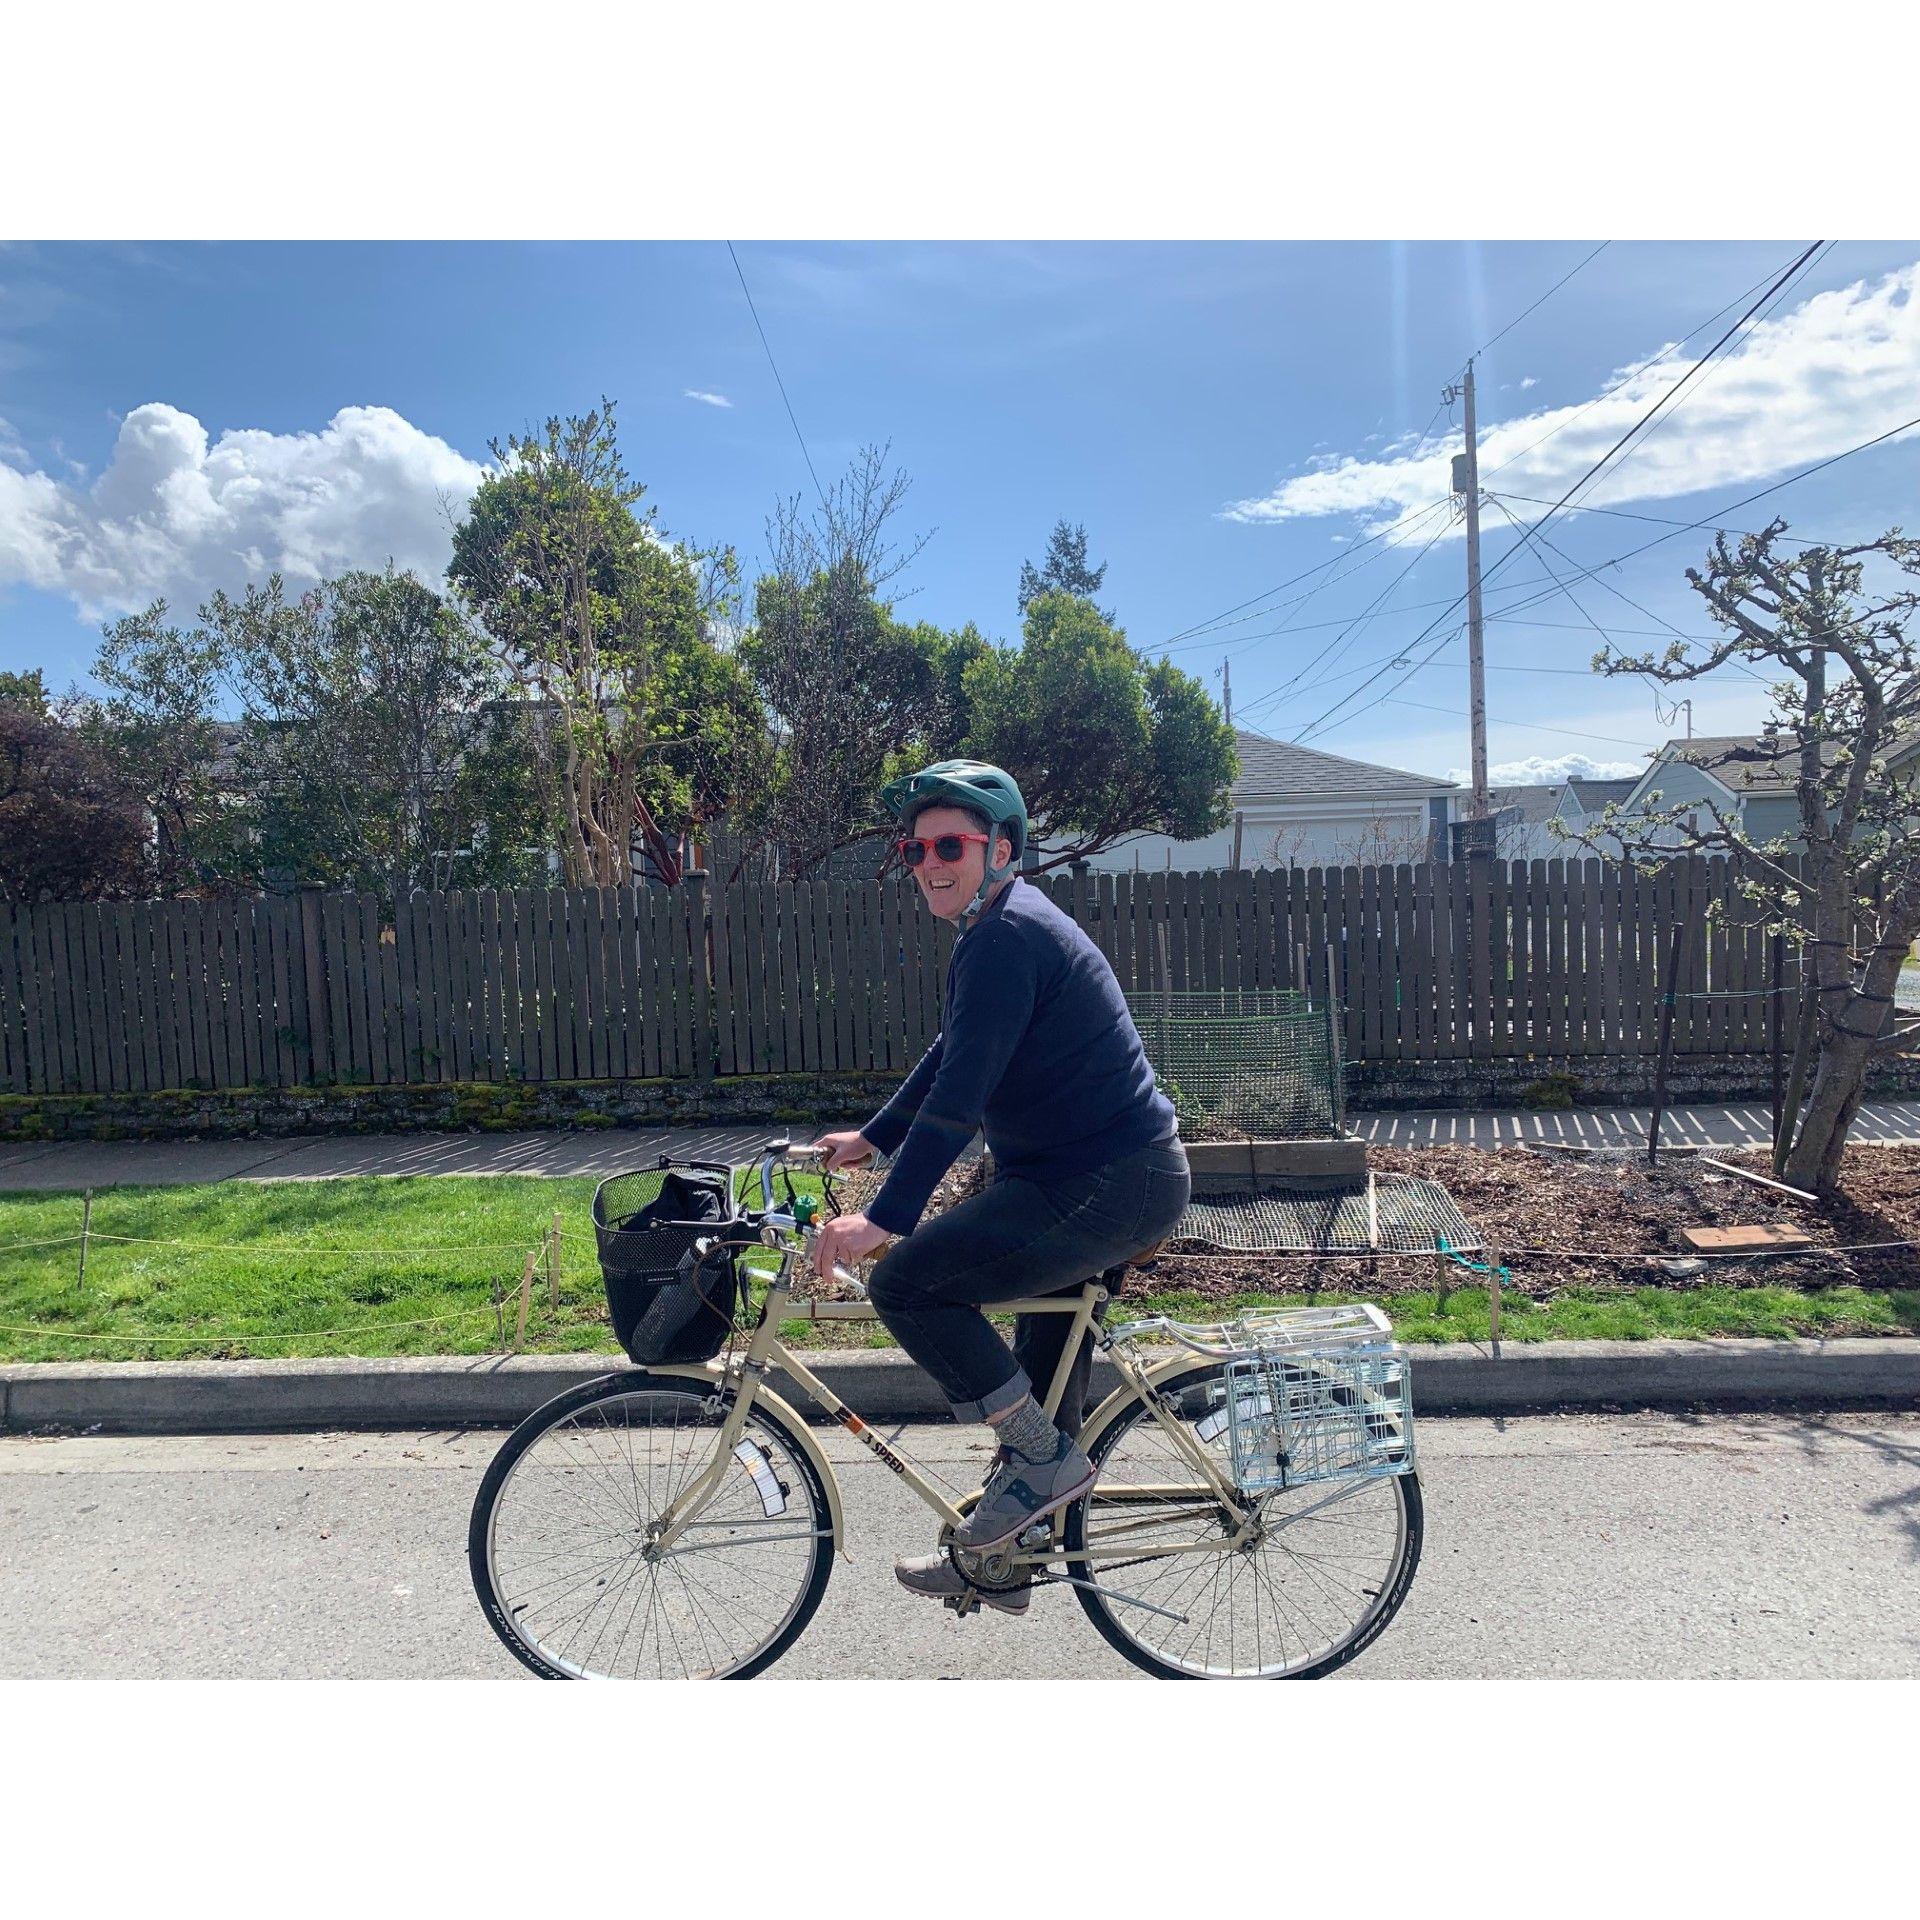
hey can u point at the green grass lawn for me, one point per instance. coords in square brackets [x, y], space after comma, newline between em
[410, 1266]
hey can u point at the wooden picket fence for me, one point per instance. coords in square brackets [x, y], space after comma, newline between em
[1467, 961]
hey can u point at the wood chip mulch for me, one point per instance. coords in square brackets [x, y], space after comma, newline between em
[1536, 1211]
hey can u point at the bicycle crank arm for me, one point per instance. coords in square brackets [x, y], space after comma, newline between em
[1111, 1593]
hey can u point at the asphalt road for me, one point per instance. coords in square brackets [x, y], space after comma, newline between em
[1646, 1546]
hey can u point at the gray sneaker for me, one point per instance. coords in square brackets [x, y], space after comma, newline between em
[1022, 1491]
[935, 1577]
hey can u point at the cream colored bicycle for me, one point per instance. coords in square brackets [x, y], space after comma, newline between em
[1255, 1511]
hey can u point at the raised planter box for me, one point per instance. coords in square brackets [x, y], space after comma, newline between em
[1302, 1166]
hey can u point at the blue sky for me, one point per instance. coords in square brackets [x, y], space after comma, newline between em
[174, 418]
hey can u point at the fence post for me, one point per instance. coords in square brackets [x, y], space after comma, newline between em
[1669, 987]
[1779, 972]
[706, 1038]
[526, 1293]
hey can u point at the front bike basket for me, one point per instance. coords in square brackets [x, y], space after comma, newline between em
[1298, 1416]
[672, 1278]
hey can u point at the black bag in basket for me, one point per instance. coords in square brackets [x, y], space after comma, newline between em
[669, 1304]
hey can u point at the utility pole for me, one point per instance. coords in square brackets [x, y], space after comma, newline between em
[1226, 687]
[1466, 482]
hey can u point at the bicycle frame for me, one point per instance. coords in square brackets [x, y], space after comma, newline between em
[766, 1351]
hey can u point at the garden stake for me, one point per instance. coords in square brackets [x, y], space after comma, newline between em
[526, 1293]
[1773, 1038]
[1672, 984]
[86, 1226]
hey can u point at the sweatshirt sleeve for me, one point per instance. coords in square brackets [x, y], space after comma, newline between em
[995, 985]
[889, 1126]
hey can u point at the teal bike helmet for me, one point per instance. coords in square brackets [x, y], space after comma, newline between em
[973, 784]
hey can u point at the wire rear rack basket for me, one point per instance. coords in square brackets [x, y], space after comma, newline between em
[1297, 1415]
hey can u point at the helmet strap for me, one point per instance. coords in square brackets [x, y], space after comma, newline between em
[989, 878]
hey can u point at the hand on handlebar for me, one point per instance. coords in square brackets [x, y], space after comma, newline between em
[850, 1238]
[841, 1150]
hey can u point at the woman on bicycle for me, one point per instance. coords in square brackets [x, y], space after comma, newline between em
[1037, 1048]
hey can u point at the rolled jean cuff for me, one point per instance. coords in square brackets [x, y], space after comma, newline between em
[998, 1401]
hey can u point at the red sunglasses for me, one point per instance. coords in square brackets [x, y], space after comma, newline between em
[949, 846]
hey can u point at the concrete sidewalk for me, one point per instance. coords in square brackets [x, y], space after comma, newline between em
[27, 1167]
[290, 1396]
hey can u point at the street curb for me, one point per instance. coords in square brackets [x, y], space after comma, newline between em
[290, 1396]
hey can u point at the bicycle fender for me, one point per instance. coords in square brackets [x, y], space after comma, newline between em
[1123, 1397]
[710, 1373]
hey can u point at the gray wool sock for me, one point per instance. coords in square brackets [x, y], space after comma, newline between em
[1028, 1432]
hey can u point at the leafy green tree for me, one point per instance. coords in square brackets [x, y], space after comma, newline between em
[27, 689]
[846, 688]
[604, 627]
[376, 741]
[157, 725]
[1065, 569]
[71, 827]
[1105, 744]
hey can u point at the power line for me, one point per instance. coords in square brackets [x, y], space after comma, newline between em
[1564, 733]
[1542, 301]
[1806, 473]
[1708, 522]
[1807, 262]
[1666, 400]
[1419, 442]
[1355, 625]
[1660, 520]
[777, 381]
[1218, 620]
[1646, 366]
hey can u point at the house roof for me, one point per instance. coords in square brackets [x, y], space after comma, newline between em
[1742, 762]
[1532, 804]
[1592, 795]
[1279, 767]
[1537, 803]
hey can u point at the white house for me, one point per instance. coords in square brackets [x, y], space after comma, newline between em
[1522, 816]
[1298, 807]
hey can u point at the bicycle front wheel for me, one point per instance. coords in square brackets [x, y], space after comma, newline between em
[1324, 1570]
[560, 1542]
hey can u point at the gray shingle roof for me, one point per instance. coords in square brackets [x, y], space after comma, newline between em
[1725, 756]
[1280, 767]
[1592, 795]
[1533, 804]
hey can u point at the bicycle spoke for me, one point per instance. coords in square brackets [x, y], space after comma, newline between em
[584, 1584]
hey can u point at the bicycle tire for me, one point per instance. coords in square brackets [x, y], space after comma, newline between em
[1109, 1618]
[499, 1607]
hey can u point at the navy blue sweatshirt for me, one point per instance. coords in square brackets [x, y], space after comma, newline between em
[1036, 1046]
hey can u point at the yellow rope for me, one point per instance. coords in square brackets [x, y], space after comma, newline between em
[190, 1339]
[302, 1246]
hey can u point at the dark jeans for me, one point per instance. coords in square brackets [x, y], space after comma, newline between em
[1022, 1239]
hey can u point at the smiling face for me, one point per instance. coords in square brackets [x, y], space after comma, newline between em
[949, 889]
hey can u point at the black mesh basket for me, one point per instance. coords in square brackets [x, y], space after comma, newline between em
[670, 1304]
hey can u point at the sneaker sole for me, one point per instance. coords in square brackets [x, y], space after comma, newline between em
[1031, 1519]
[986, 1598]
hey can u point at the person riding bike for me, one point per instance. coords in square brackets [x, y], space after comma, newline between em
[1036, 1048]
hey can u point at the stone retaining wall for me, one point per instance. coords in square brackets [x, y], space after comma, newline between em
[484, 1107]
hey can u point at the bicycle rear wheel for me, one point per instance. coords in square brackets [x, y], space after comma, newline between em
[559, 1550]
[1330, 1567]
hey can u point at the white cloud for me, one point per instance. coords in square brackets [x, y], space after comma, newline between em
[1529, 381]
[1836, 370]
[173, 516]
[1538, 771]
[711, 399]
